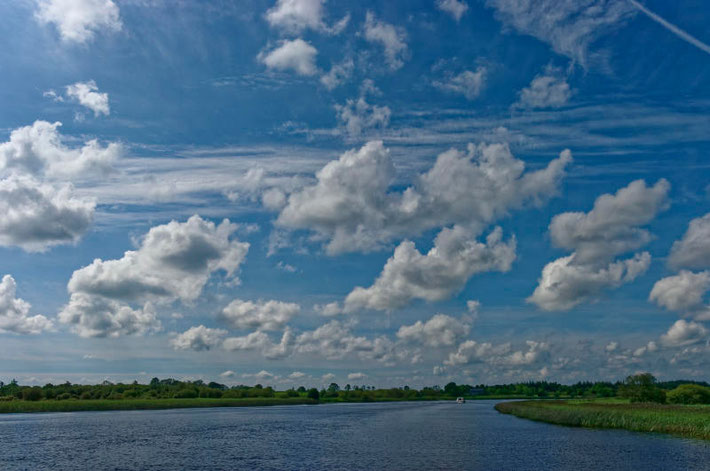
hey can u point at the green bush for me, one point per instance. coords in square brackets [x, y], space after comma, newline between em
[313, 394]
[64, 396]
[7, 398]
[642, 388]
[689, 394]
[32, 394]
[185, 394]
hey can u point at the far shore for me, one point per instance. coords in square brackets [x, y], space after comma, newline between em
[688, 421]
[78, 405]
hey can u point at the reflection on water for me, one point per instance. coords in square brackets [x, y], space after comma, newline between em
[334, 436]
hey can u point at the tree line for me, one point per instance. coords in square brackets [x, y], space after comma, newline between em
[637, 388]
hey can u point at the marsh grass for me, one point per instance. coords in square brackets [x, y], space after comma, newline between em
[682, 420]
[141, 404]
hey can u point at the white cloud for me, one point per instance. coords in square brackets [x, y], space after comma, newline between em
[440, 330]
[261, 342]
[78, 20]
[564, 283]
[329, 310]
[683, 333]
[358, 116]
[570, 27]
[228, 374]
[296, 15]
[611, 346]
[297, 375]
[198, 338]
[683, 292]
[612, 227]
[338, 74]
[87, 94]
[173, 261]
[501, 355]
[333, 340]
[467, 83]
[548, 90]
[37, 215]
[455, 257]
[38, 149]
[357, 376]
[296, 55]
[693, 250]
[455, 8]
[97, 316]
[351, 207]
[393, 40]
[15, 312]
[260, 315]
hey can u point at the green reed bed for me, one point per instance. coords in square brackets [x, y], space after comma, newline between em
[682, 420]
[141, 404]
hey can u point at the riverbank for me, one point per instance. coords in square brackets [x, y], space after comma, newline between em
[78, 405]
[681, 420]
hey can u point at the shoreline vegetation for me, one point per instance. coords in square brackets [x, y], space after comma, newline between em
[174, 394]
[688, 421]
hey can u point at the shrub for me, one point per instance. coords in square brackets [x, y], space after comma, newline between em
[185, 394]
[64, 397]
[689, 394]
[313, 394]
[7, 398]
[642, 388]
[32, 394]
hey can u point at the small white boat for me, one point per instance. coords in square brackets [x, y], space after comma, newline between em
[460, 400]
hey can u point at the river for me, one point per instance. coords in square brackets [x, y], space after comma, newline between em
[393, 436]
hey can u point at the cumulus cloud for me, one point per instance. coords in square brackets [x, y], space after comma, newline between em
[409, 274]
[693, 250]
[471, 351]
[260, 315]
[683, 292]
[294, 16]
[15, 312]
[455, 8]
[467, 83]
[88, 95]
[78, 20]
[683, 333]
[351, 207]
[198, 338]
[357, 116]
[228, 374]
[392, 40]
[296, 55]
[97, 316]
[335, 340]
[261, 342]
[357, 376]
[297, 375]
[439, 331]
[329, 310]
[611, 228]
[39, 150]
[338, 74]
[37, 216]
[173, 261]
[548, 90]
[568, 27]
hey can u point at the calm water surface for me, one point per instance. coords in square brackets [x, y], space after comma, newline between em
[335, 436]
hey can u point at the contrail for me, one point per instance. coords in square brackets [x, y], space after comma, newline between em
[672, 28]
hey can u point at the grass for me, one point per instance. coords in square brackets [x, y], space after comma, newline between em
[141, 404]
[680, 420]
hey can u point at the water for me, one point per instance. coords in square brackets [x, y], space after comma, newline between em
[335, 436]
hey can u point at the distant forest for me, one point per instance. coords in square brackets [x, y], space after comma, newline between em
[175, 389]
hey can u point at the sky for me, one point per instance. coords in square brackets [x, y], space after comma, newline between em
[296, 192]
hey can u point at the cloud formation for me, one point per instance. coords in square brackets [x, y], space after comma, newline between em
[173, 262]
[15, 312]
[295, 55]
[693, 250]
[455, 8]
[684, 333]
[79, 20]
[439, 331]
[393, 40]
[352, 208]
[259, 315]
[198, 338]
[88, 95]
[548, 90]
[467, 83]
[611, 228]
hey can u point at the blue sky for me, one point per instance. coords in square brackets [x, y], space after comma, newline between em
[301, 191]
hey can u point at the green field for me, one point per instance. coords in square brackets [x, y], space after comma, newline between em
[682, 420]
[142, 404]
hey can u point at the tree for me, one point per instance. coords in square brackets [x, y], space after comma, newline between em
[642, 388]
[333, 388]
[313, 394]
[689, 394]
